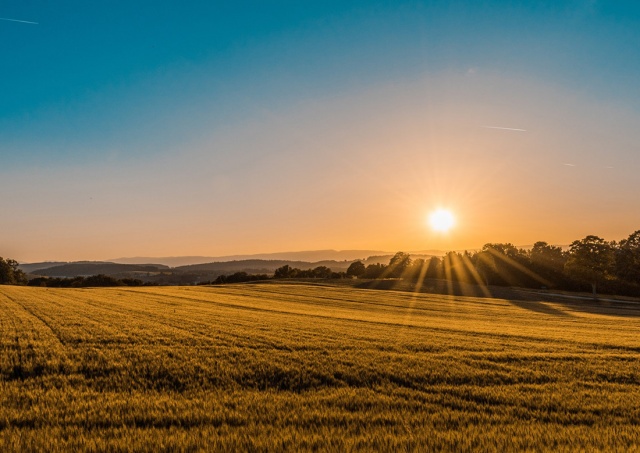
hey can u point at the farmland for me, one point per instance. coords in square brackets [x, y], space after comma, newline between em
[283, 366]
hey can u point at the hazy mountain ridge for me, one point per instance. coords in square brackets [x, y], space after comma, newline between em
[192, 273]
[311, 256]
[336, 260]
[31, 268]
[262, 266]
[85, 268]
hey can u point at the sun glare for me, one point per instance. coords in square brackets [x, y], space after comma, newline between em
[441, 220]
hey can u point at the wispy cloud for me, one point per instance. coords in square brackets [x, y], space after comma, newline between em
[505, 128]
[18, 20]
[569, 165]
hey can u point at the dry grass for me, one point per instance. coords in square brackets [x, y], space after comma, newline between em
[271, 367]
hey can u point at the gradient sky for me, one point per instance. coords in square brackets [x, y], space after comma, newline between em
[157, 129]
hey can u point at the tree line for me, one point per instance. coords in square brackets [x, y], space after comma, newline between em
[589, 263]
[285, 271]
[99, 280]
[11, 274]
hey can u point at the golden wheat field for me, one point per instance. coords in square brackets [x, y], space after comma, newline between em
[298, 367]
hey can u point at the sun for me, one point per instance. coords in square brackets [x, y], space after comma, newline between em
[441, 220]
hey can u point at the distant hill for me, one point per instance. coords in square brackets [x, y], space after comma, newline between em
[85, 268]
[186, 269]
[171, 261]
[310, 256]
[211, 269]
[31, 268]
[181, 273]
[261, 266]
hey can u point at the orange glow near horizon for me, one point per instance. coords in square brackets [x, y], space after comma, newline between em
[358, 172]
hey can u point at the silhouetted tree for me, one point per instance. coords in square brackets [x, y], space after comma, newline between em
[10, 274]
[101, 280]
[398, 264]
[590, 260]
[220, 279]
[434, 267]
[374, 270]
[38, 281]
[239, 277]
[283, 272]
[459, 267]
[356, 269]
[505, 248]
[547, 256]
[548, 261]
[321, 272]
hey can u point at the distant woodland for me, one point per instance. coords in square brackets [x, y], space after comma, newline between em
[589, 264]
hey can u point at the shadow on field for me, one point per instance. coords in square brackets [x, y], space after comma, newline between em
[527, 299]
[602, 307]
[539, 307]
[448, 288]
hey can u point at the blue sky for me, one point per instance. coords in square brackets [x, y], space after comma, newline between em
[122, 84]
[88, 73]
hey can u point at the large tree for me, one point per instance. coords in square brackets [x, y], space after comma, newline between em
[375, 270]
[321, 272]
[547, 256]
[504, 248]
[398, 264]
[356, 269]
[548, 261]
[283, 272]
[10, 274]
[590, 260]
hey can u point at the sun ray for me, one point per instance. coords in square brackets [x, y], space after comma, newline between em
[475, 275]
[514, 264]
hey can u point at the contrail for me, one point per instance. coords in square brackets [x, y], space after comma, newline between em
[570, 165]
[21, 21]
[505, 128]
